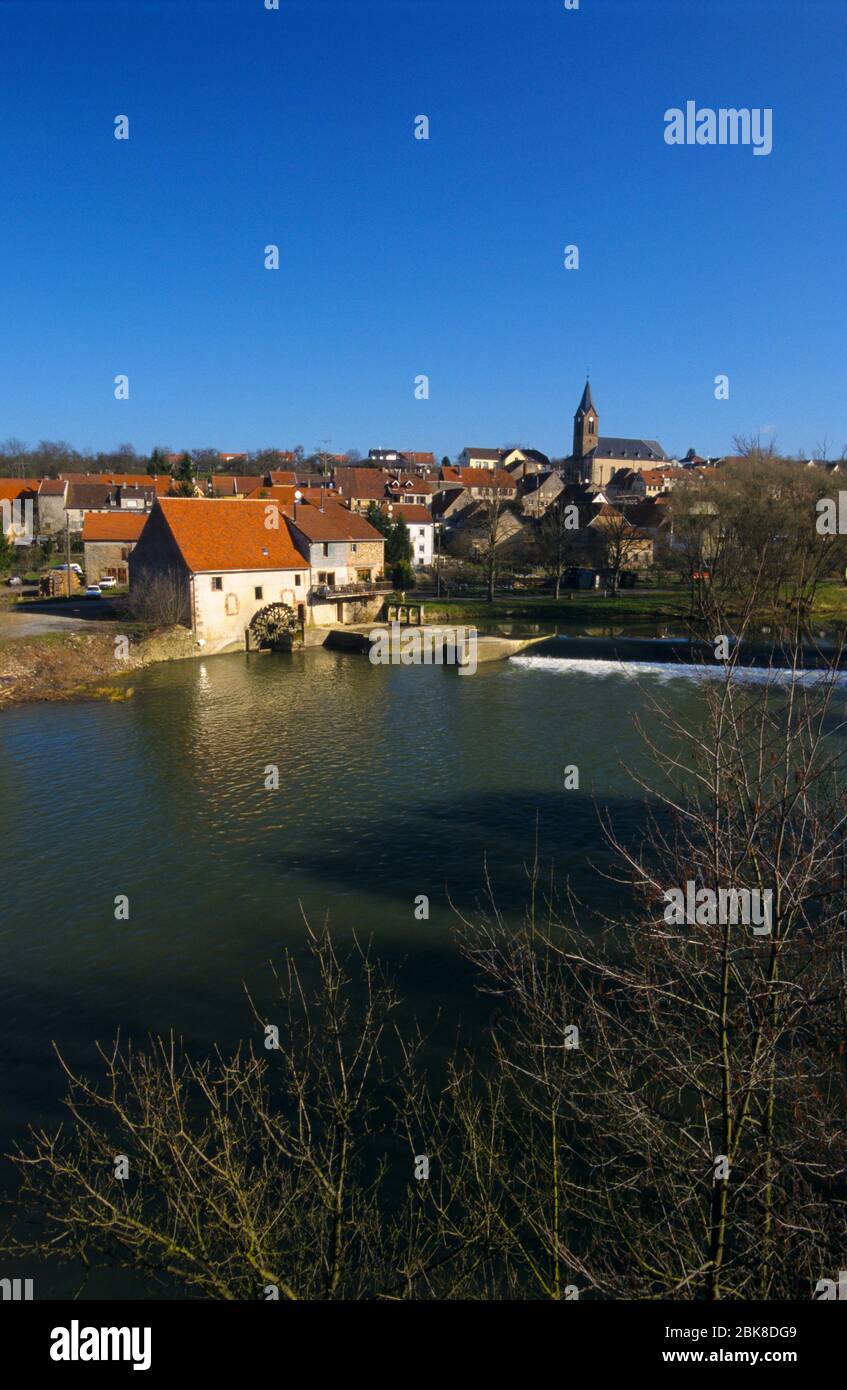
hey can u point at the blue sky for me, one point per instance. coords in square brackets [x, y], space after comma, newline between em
[401, 257]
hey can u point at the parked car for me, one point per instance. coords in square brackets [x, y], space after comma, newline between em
[108, 582]
[76, 568]
[94, 591]
[15, 581]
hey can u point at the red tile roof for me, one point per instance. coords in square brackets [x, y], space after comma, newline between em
[367, 483]
[411, 512]
[229, 534]
[409, 482]
[113, 526]
[480, 478]
[113, 479]
[230, 485]
[13, 488]
[334, 523]
[283, 495]
[317, 495]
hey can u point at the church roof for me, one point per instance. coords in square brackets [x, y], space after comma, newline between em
[612, 447]
[587, 403]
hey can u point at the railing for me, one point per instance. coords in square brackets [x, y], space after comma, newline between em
[363, 587]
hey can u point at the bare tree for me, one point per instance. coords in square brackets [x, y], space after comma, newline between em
[619, 543]
[488, 528]
[556, 544]
[752, 527]
[160, 600]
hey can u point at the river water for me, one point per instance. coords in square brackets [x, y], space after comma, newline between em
[393, 782]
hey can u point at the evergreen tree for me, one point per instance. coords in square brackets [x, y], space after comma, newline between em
[158, 463]
[183, 476]
[378, 519]
[398, 548]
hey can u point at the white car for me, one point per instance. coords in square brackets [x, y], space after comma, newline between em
[108, 582]
[94, 591]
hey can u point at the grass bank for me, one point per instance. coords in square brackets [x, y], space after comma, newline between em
[590, 607]
[574, 606]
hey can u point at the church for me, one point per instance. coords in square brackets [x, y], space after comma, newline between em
[595, 458]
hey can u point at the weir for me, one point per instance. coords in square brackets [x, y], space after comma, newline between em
[697, 652]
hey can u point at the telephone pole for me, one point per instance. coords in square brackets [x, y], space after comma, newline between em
[68, 550]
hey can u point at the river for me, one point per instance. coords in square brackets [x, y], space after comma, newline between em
[393, 782]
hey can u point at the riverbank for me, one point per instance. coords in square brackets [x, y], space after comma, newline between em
[76, 665]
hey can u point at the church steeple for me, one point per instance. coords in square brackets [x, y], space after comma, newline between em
[586, 425]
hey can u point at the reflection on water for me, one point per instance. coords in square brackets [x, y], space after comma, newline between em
[393, 782]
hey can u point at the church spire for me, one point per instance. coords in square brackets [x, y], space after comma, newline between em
[586, 425]
[587, 403]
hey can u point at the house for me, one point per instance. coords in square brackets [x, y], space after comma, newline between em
[51, 506]
[225, 558]
[521, 463]
[86, 497]
[109, 539]
[538, 491]
[658, 480]
[112, 479]
[233, 485]
[18, 498]
[651, 516]
[378, 458]
[406, 487]
[421, 527]
[359, 487]
[480, 482]
[491, 459]
[346, 557]
[396, 458]
[635, 546]
[626, 483]
[594, 458]
[478, 526]
[418, 460]
[137, 499]
[160, 483]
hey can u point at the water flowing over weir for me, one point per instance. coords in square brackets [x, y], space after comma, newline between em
[675, 658]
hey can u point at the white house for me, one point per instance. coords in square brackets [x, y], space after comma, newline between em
[421, 525]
